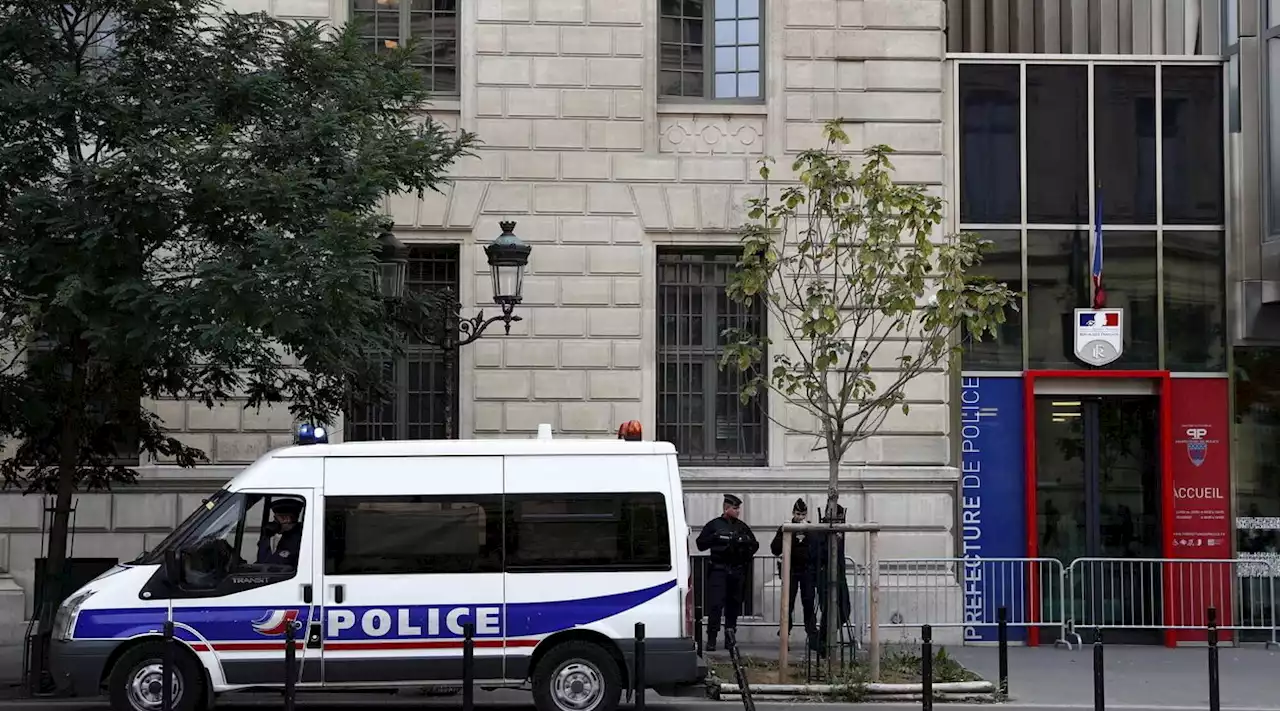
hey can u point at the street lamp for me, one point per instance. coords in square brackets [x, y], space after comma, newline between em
[393, 262]
[508, 256]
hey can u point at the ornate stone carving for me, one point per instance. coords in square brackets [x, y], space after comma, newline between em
[705, 134]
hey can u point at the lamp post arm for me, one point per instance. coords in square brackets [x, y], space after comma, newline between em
[470, 329]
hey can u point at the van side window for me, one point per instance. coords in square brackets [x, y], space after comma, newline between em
[246, 533]
[387, 535]
[548, 532]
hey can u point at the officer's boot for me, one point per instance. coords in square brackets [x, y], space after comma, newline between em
[712, 634]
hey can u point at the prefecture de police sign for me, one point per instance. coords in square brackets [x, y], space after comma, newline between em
[991, 503]
[1099, 337]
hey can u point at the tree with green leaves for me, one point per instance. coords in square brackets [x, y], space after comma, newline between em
[867, 293]
[190, 204]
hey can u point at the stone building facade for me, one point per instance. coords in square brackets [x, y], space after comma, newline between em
[606, 177]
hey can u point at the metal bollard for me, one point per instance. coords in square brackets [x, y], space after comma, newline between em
[166, 671]
[1002, 634]
[1215, 699]
[468, 666]
[926, 667]
[1099, 696]
[640, 675]
[290, 663]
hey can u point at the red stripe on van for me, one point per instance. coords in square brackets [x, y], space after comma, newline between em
[353, 646]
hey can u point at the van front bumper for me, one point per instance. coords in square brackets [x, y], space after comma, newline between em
[77, 666]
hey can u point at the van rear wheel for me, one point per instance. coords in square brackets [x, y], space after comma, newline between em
[136, 681]
[577, 676]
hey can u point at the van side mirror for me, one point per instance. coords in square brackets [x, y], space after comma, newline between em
[173, 566]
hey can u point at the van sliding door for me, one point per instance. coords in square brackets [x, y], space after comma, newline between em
[412, 553]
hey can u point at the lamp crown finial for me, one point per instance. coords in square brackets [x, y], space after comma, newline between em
[507, 226]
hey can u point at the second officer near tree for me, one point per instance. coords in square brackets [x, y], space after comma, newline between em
[732, 546]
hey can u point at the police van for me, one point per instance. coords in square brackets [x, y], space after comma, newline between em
[380, 553]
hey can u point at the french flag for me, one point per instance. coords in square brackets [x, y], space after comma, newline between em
[1100, 319]
[1099, 293]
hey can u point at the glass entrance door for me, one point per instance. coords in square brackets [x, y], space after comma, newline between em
[1098, 491]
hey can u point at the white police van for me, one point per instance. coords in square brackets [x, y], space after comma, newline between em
[552, 549]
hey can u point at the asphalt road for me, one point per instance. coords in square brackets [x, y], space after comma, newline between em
[673, 705]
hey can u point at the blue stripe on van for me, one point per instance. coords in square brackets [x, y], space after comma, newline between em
[381, 622]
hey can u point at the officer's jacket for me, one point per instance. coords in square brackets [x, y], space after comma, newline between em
[799, 548]
[286, 552]
[730, 541]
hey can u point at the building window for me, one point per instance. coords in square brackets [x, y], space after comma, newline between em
[412, 535]
[588, 532]
[699, 406]
[711, 49]
[1001, 263]
[423, 382]
[1155, 182]
[431, 24]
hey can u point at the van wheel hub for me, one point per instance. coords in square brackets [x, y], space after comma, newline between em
[577, 686]
[146, 687]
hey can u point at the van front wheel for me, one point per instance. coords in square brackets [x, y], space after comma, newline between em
[577, 676]
[136, 680]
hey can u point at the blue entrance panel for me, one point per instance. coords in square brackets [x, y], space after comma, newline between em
[993, 506]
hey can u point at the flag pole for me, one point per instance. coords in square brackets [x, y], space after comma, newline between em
[1099, 293]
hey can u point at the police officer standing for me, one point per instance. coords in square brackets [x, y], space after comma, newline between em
[282, 537]
[732, 546]
[802, 572]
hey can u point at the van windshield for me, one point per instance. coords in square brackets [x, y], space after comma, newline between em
[205, 509]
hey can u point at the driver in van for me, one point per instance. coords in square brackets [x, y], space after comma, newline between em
[282, 536]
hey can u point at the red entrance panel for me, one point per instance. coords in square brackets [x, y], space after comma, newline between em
[1166, 469]
[1200, 528]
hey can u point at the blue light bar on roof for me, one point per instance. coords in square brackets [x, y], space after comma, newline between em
[312, 434]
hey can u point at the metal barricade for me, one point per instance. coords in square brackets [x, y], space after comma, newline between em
[1171, 594]
[966, 594]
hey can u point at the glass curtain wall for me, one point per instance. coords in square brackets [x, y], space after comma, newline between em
[1046, 150]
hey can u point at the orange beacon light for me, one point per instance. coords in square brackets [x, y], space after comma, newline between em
[630, 431]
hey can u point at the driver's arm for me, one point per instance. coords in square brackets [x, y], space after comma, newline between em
[264, 548]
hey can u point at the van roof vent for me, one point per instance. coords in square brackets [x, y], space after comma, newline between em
[544, 431]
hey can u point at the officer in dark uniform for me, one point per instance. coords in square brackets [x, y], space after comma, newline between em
[802, 571]
[282, 537]
[732, 546]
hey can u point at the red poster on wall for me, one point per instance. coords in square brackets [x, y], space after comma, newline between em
[1201, 528]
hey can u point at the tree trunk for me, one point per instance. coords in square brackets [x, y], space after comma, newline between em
[60, 528]
[832, 610]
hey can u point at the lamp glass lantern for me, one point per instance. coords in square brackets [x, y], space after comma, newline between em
[393, 264]
[508, 255]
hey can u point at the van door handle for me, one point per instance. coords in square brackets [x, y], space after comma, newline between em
[306, 593]
[338, 593]
[313, 637]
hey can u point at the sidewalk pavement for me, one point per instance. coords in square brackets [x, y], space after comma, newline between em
[10, 664]
[1133, 675]
[1143, 676]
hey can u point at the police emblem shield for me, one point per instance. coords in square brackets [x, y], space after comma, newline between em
[1197, 450]
[1099, 335]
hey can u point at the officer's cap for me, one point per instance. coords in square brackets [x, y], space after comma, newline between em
[800, 507]
[290, 507]
[732, 500]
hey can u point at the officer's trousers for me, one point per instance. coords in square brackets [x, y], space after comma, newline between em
[802, 583]
[724, 596]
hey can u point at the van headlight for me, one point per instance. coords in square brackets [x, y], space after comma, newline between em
[65, 621]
